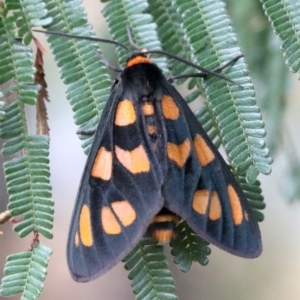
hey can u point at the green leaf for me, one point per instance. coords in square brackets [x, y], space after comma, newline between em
[25, 273]
[87, 77]
[28, 205]
[212, 44]
[284, 16]
[188, 247]
[149, 273]
[253, 192]
[119, 14]
[27, 14]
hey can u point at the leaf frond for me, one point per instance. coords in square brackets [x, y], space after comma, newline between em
[28, 14]
[253, 192]
[27, 177]
[86, 76]
[240, 124]
[29, 189]
[25, 273]
[149, 273]
[120, 14]
[188, 247]
[171, 34]
[284, 16]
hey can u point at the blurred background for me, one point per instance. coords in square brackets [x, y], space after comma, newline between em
[275, 275]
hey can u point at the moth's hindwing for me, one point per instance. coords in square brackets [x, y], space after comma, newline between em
[119, 193]
[199, 186]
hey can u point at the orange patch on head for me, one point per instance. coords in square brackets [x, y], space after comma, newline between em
[76, 239]
[204, 153]
[148, 109]
[151, 129]
[200, 201]
[124, 211]
[85, 228]
[179, 153]
[102, 167]
[135, 161]
[125, 114]
[169, 108]
[166, 218]
[236, 207]
[138, 60]
[163, 235]
[109, 222]
[215, 209]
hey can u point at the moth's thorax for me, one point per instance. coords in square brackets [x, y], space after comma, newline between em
[150, 108]
[142, 77]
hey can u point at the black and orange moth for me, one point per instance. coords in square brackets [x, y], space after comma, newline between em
[152, 164]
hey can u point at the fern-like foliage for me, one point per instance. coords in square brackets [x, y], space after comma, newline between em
[119, 14]
[208, 31]
[270, 73]
[2, 111]
[27, 176]
[148, 270]
[87, 78]
[284, 16]
[265, 63]
[170, 33]
[253, 192]
[27, 189]
[17, 268]
[273, 102]
[28, 14]
[207, 120]
[188, 247]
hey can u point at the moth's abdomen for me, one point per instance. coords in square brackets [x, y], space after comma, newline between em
[162, 227]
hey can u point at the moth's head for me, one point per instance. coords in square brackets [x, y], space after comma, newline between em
[138, 58]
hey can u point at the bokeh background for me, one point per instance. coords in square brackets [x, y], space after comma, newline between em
[275, 275]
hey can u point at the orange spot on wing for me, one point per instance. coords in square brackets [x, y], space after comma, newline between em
[138, 60]
[148, 109]
[109, 222]
[163, 235]
[135, 161]
[169, 108]
[124, 211]
[125, 114]
[179, 153]
[85, 228]
[76, 239]
[204, 153]
[215, 209]
[151, 129]
[200, 201]
[236, 207]
[102, 167]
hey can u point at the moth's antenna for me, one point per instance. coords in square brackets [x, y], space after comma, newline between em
[87, 38]
[189, 63]
[130, 38]
[232, 61]
[106, 63]
[185, 61]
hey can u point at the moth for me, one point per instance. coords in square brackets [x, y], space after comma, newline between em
[152, 164]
